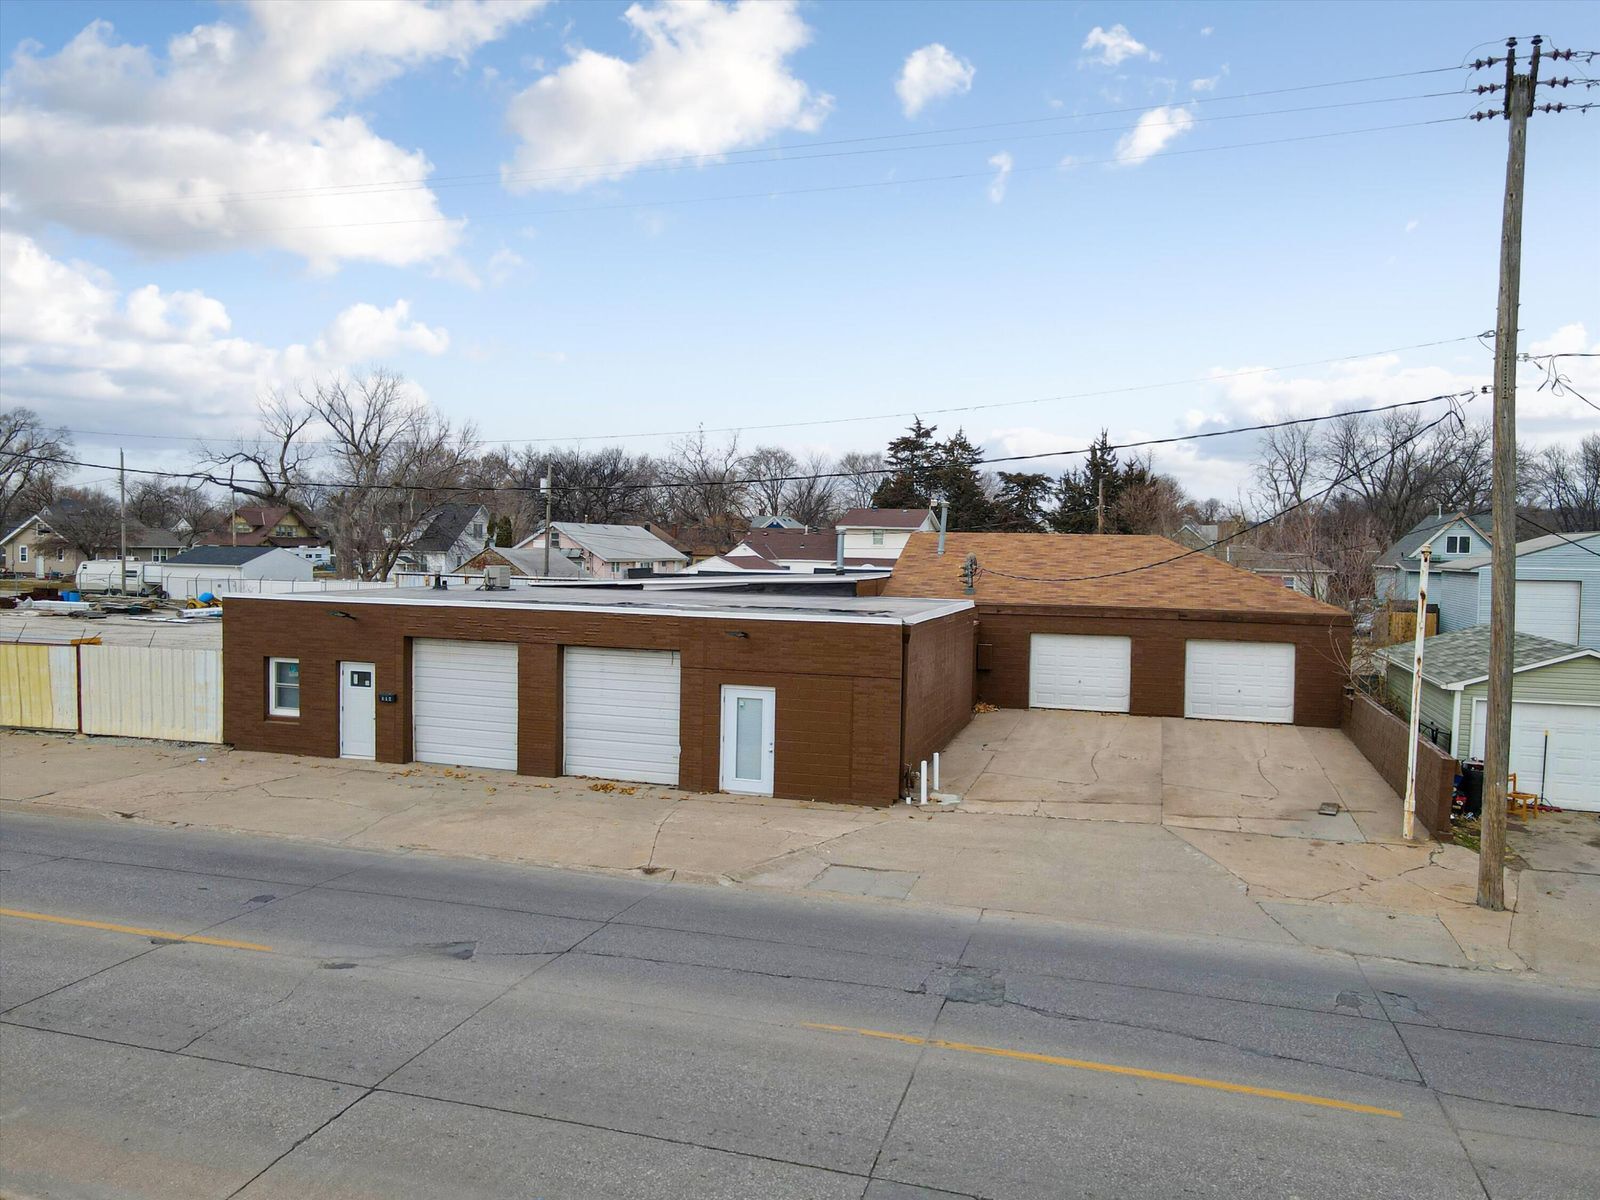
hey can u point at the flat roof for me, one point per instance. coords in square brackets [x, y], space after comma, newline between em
[726, 605]
[165, 628]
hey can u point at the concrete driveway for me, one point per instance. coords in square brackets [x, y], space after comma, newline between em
[1205, 775]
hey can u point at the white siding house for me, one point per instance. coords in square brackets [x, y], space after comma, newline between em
[881, 533]
[1558, 589]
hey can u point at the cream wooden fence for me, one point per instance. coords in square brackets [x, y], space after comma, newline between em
[118, 691]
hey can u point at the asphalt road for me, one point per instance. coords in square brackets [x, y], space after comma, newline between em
[382, 1025]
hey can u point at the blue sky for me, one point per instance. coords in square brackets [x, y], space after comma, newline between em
[205, 201]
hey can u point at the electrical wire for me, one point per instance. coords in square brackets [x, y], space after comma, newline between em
[921, 412]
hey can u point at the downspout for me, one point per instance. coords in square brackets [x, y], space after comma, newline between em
[1455, 727]
[1416, 695]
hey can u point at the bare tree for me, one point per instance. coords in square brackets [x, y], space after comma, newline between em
[773, 469]
[860, 476]
[28, 470]
[85, 521]
[1565, 480]
[703, 492]
[813, 499]
[273, 468]
[395, 461]
[1287, 466]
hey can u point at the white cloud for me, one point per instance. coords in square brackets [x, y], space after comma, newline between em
[930, 74]
[1153, 132]
[1209, 84]
[77, 349]
[711, 78]
[188, 150]
[1412, 225]
[503, 264]
[1206, 31]
[1002, 164]
[1114, 46]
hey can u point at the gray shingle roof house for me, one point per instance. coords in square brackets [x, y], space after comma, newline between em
[608, 551]
[449, 534]
[1555, 707]
[1449, 535]
[1557, 589]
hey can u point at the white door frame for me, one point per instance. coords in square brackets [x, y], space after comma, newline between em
[728, 781]
[358, 712]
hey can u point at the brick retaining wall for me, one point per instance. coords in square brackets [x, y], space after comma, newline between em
[1381, 736]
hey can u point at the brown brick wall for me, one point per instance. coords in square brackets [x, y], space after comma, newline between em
[940, 658]
[1322, 648]
[1381, 736]
[838, 692]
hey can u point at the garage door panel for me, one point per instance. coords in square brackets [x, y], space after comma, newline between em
[1079, 672]
[1548, 608]
[620, 713]
[1239, 681]
[464, 703]
[1567, 770]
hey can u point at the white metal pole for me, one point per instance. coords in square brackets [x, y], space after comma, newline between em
[1416, 695]
[936, 770]
[922, 779]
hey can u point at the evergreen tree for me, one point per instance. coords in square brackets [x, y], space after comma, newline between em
[502, 532]
[1022, 501]
[923, 468]
[1078, 491]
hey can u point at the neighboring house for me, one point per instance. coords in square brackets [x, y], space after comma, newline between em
[1449, 535]
[1122, 623]
[526, 564]
[1557, 589]
[1555, 708]
[608, 551]
[826, 698]
[223, 569]
[33, 548]
[882, 532]
[789, 550]
[448, 535]
[1195, 535]
[769, 521]
[1304, 573]
[280, 525]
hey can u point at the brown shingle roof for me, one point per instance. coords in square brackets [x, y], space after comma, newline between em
[1052, 568]
[883, 518]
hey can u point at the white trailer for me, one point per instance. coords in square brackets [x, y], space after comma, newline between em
[98, 575]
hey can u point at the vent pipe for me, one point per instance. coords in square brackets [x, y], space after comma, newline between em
[838, 551]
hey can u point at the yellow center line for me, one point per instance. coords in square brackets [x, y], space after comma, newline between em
[196, 938]
[1216, 1085]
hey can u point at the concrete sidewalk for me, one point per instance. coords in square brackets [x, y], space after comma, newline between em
[1380, 898]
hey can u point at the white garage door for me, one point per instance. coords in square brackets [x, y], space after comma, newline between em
[1569, 770]
[464, 703]
[1548, 608]
[1239, 681]
[621, 714]
[1069, 671]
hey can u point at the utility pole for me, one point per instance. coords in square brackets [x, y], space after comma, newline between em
[1100, 508]
[1519, 91]
[549, 479]
[1410, 824]
[122, 518]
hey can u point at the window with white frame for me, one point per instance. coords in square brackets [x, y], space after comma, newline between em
[1460, 544]
[159, 554]
[877, 537]
[61, 554]
[283, 687]
[22, 554]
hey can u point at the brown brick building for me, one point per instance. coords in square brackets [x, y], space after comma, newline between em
[815, 697]
[1137, 625]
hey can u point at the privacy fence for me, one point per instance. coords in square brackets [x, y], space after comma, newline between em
[119, 691]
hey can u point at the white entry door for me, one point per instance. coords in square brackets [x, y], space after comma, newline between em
[1565, 768]
[464, 703]
[1239, 681]
[1071, 671]
[1549, 608]
[358, 713]
[749, 739]
[620, 714]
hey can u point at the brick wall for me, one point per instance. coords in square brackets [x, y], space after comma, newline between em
[940, 658]
[1322, 647]
[1381, 736]
[838, 685]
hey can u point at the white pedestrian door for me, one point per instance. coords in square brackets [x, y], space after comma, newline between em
[464, 703]
[1075, 671]
[749, 739]
[358, 715]
[1239, 681]
[620, 714]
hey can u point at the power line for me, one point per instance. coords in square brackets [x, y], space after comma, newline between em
[1281, 513]
[669, 485]
[601, 169]
[921, 412]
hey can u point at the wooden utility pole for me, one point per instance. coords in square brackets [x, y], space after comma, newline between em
[549, 498]
[1503, 502]
[1100, 508]
[122, 520]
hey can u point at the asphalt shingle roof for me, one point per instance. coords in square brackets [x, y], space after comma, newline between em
[1404, 552]
[1449, 658]
[219, 556]
[883, 518]
[1531, 546]
[445, 527]
[1123, 571]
